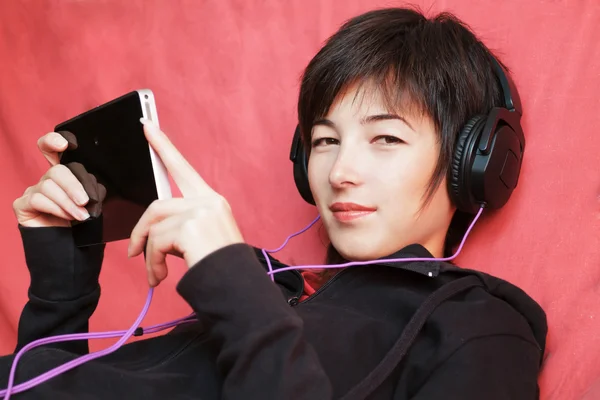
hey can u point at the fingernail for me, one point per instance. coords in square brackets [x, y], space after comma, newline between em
[151, 126]
[83, 215]
[129, 250]
[148, 123]
[81, 198]
[60, 141]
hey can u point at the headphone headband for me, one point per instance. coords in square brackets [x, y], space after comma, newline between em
[512, 101]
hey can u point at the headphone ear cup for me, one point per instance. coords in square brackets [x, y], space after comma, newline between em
[301, 177]
[299, 158]
[460, 193]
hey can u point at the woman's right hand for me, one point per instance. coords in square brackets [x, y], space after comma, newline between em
[58, 197]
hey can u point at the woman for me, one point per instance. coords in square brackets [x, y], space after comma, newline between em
[380, 109]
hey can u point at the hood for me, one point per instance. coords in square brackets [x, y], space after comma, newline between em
[506, 291]
[292, 284]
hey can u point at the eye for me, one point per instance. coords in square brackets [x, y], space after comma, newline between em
[388, 140]
[324, 141]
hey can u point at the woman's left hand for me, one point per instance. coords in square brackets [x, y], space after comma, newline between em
[191, 227]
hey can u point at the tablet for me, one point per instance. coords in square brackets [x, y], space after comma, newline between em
[112, 148]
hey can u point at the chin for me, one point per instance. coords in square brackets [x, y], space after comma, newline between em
[354, 250]
[354, 256]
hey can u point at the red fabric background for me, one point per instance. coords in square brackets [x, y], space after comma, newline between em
[225, 74]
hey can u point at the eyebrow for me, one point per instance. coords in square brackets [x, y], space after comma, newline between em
[368, 120]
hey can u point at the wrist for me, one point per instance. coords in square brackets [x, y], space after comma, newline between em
[197, 253]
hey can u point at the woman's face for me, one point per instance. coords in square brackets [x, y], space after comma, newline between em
[369, 169]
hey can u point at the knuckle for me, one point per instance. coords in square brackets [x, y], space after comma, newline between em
[154, 207]
[46, 185]
[152, 232]
[199, 211]
[17, 204]
[21, 202]
[61, 169]
[35, 200]
[57, 171]
[211, 206]
[189, 227]
[221, 203]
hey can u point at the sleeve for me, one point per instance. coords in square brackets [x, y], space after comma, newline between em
[262, 353]
[491, 368]
[64, 289]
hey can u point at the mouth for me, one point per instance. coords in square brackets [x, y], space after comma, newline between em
[345, 212]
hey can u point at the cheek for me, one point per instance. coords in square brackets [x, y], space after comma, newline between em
[402, 184]
[418, 167]
[317, 176]
[403, 178]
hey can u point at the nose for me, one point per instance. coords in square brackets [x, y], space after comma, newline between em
[345, 171]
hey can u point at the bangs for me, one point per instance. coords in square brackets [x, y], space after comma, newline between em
[387, 68]
[395, 90]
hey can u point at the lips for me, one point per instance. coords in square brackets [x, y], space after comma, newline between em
[341, 207]
[346, 212]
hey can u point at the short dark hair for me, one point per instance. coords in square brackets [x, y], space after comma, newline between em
[436, 66]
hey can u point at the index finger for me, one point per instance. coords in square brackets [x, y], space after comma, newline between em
[185, 176]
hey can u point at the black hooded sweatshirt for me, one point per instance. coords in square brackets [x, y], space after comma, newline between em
[417, 330]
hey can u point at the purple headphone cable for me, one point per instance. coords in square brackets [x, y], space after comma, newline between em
[125, 335]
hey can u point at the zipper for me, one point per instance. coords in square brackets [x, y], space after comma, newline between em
[423, 268]
[295, 300]
[431, 271]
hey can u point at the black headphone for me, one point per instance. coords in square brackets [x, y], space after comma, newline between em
[487, 155]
